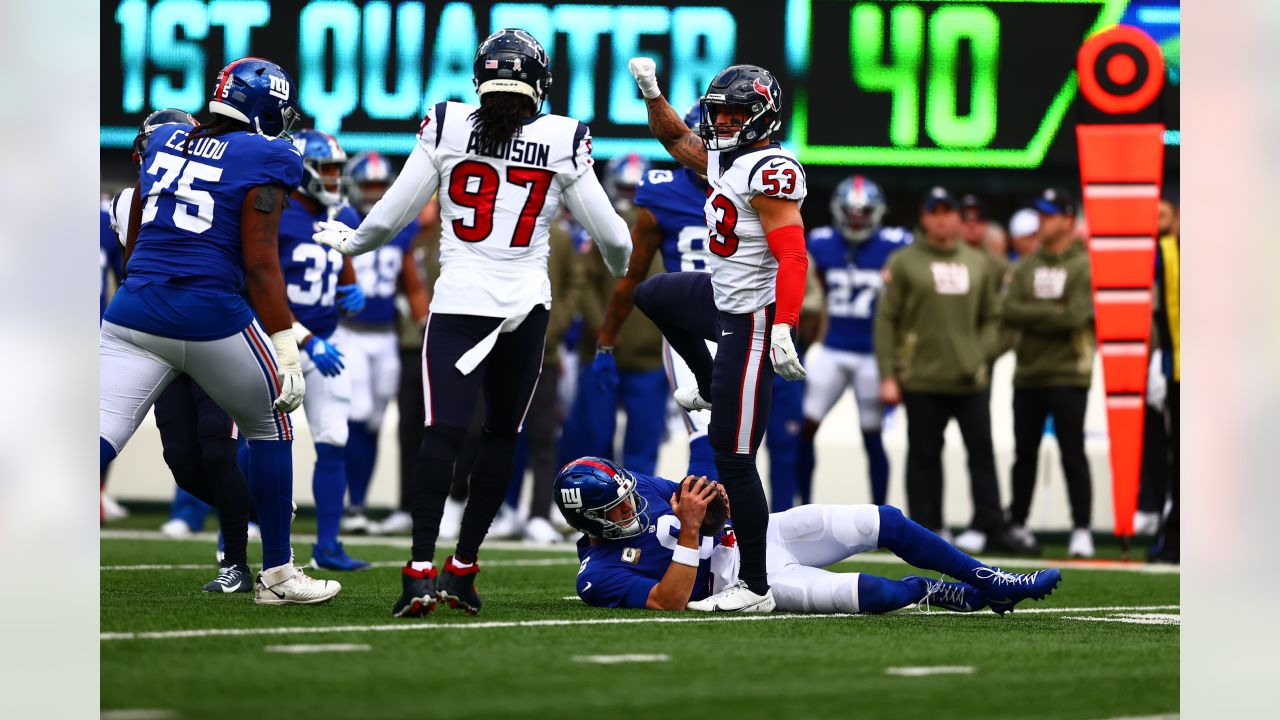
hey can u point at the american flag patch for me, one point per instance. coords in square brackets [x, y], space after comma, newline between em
[490, 64]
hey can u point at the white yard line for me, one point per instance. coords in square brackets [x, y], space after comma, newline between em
[306, 649]
[567, 548]
[524, 562]
[926, 671]
[411, 626]
[139, 714]
[615, 659]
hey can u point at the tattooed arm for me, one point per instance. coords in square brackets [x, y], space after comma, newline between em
[260, 227]
[664, 123]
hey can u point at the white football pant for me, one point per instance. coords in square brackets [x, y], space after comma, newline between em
[372, 360]
[678, 376]
[327, 402]
[805, 539]
[830, 372]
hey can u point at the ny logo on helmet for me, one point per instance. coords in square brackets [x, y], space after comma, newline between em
[279, 87]
[571, 497]
[762, 89]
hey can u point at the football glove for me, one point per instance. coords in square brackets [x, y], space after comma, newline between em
[605, 369]
[645, 72]
[782, 351]
[292, 386]
[350, 299]
[335, 234]
[326, 356]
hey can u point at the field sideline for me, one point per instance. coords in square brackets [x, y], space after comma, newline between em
[1104, 645]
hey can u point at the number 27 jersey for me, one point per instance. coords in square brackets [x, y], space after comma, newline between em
[743, 270]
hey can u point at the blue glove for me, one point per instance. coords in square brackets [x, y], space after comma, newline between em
[326, 355]
[605, 369]
[350, 299]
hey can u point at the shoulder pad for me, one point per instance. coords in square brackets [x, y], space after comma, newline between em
[778, 176]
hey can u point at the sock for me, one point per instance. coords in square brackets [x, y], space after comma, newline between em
[881, 595]
[420, 566]
[106, 454]
[750, 515]
[490, 477]
[702, 459]
[361, 454]
[271, 484]
[329, 486]
[920, 547]
[877, 467]
[432, 477]
[461, 565]
[806, 462]
[231, 498]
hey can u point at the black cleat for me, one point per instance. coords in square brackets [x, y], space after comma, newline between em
[231, 578]
[458, 587]
[419, 596]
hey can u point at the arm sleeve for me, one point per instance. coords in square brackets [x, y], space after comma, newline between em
[589, 204]
[787, 245]
[412, 190]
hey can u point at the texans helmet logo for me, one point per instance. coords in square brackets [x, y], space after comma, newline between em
[762, 89]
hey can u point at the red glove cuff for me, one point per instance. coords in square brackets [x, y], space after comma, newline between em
[787, 245]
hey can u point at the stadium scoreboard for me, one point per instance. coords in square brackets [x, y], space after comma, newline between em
[956, 83]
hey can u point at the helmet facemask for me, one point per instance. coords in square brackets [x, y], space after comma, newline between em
[635, 525]
[325, 188]
[736, 132]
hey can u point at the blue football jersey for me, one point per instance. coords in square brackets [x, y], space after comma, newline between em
[851, 275]
[109, 254]
[675, 197]
[311, 270]
[621, 573]
[186, 272]
[379, 276]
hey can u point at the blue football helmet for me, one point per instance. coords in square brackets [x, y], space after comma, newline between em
[586, 489]
[858, 207]
[320, 149]
[168, 116]
[367, 178]
[752, 95]
[258, 92]
[621, 176]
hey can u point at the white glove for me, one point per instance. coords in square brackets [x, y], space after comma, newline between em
[783, 354]
[1157, 386]
[334, 234]
[292, 386]
[646, 74]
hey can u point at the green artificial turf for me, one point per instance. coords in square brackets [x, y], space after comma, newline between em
[1028, 664]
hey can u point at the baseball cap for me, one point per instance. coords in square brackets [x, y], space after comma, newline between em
[973, 203]
[1055, 201]
[1024, 222]
[939, 196]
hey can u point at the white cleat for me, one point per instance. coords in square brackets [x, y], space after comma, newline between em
[539, 531]
[689, 399]
[506, 524]
[354, 522]
[1081, 543]
[451, 521]
[288, 585]
[1146, 523]
[112, 510]
[176, 529]
[397, 523]
[972, 541]
[736, 598]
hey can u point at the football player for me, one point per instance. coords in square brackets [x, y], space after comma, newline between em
[656, 544]
[321, 284]
[196, 435]
[503, 170]
[369, 339]
[203, 295]
[849, 254]
[750, 301]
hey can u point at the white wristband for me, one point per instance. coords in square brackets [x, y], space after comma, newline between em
[300, 332]
[685, 556]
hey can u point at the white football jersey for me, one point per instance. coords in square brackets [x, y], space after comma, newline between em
[119, 213]
[496, 204]
[743, 270]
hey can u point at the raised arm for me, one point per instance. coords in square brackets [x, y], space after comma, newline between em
[646, 238]
[259, 233]
[591, 207]
[665, 124]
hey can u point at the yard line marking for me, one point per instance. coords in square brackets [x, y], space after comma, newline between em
[521, 562]
[567, 548]
[302, 649]
[1137, 619]
[615, 659]
[925, 671]
[139, 714]
[570, 597]
[243, 632]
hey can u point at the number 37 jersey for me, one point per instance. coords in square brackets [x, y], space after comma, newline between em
[743, 270]
[496, 204]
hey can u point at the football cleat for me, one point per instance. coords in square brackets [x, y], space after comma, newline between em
[1081, 543]
[1017, 540]
[458, 587]
[419, 596]
[971, 541]
[289, 585]
[396, 523]
[690, 399]
[539, 531]
[354, 521]
[953, 596]
[176, 529]
[736, 598]
[451, 520]
[231, 579]
[112, 510]
[334, 557]
[1004, 590]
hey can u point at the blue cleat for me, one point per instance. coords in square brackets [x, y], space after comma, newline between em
[953, 596]
[333, 557]
[1004, 590]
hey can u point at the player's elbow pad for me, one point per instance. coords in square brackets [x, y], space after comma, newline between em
[787, 246]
